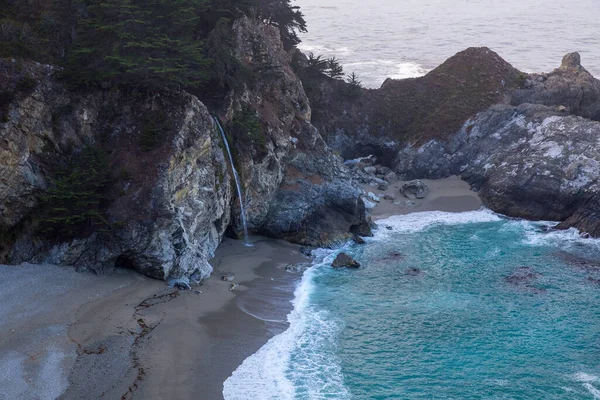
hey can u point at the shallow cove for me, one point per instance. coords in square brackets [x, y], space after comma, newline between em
[467, 305]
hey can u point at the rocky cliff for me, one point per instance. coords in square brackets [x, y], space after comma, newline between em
[139, 180]
[529, 143]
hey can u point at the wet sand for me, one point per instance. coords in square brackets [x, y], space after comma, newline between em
[72, 335]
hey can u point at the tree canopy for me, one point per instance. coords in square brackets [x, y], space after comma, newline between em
[142, 43]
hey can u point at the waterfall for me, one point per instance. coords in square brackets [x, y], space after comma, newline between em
[237, 182]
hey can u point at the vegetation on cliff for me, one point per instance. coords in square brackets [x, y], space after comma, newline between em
[151, 43]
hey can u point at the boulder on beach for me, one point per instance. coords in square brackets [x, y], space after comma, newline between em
[416, 189]
[344, 260]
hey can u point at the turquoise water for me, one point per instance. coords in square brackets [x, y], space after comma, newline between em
[446, 306]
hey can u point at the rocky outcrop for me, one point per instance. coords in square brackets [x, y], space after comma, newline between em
[295, 187]
[382, 121]
[570, 87]
[344, 260]
[527, 142]
[167, 207]
[416, 189]
[169, 199]
[529, 161]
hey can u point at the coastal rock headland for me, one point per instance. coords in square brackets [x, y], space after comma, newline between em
[527, 143]
[106, 178]
[155, 169]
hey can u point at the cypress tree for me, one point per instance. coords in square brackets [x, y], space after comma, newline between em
[149, 43]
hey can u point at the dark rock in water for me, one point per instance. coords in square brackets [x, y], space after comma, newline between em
[307, 251]
[358, 240]
[394, 255]
[413, 271]
[416, 189]
[227, 277]
[578, 262]
[389, 197]
[523, 276]
[389, 228]
[595, 281]
[344, 260]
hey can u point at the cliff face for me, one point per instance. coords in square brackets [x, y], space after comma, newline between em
[528, 145]
[168, 199]
[295, 187]
[166, 207]
[381, 121]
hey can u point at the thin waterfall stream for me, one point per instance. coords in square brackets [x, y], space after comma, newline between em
[237, 183]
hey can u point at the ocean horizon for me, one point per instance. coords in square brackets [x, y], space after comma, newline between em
[389, 39]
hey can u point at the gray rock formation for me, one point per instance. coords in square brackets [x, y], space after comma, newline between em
[296, 188]
[168, 206]
[571, 88]
[416, 189]
[528, 142]
[528, 161]
[344, 260]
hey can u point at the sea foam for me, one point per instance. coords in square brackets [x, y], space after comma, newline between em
[265, 375]
[313, 333]
[417, 222]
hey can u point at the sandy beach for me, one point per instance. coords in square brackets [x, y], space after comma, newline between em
[72, 335]
[450, 194]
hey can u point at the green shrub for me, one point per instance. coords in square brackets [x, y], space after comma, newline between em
[74, 203]
[246, 125]
[153, 131]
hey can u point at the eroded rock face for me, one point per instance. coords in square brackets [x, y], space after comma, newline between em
[295, 187]
[381, 121]
[570, 87]
[528, 161]
[168, 206]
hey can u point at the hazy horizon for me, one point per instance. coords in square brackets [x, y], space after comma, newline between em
[386, 39]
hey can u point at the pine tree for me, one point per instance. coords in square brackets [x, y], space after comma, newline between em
[334, 68]
[317, 63]
[353, 80]
[289, 19]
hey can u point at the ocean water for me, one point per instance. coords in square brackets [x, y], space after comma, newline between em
[405, 38]
[446, 306]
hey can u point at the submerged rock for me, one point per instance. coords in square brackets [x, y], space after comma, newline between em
[228, 277]
[413, 271]
[344, 260]
[523, 276]
[578, 261]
